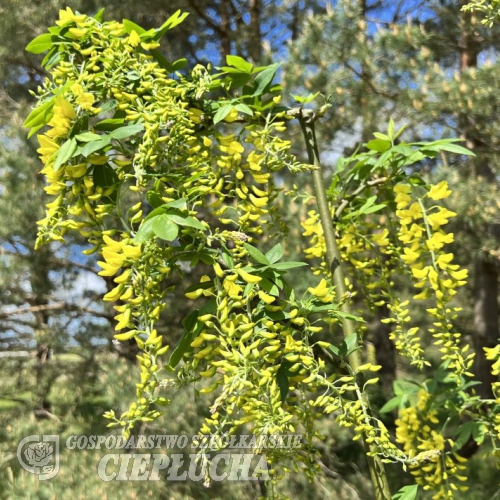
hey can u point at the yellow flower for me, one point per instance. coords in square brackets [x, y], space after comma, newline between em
[381, 238]
[249, 278]
[66, 16]
[439, 191]
[150, 46]
[77, 32]
[61, 120]
[420, 274]
[410, 256]
[402, 188]
[268, 299]
[134, 39]
[77, 89]
[444, 259]
[321, 290]
[47, 148]
[438, 240]
[232, 116]
[414, 212]
[440, 218]
[85, 100]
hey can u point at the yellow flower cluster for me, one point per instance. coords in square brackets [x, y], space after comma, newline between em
[140, 296]
[420, 431]
[423, 241]
[150, 132]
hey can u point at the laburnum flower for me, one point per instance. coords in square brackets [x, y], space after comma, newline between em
[60, 122]
[116, 253]
[438, 240]
[67, 16]
[381, 239]
[439, 191]
[440, 218]
[231, 116]
[414, 212]
[493, 354]
[322, 291]
[402, 195]
[47, 148]
[134, 39]
[84, 99]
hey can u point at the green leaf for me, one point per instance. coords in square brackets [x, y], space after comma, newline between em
[282, 381]
[406, 493]
[104, 176]
[179, 64]
[164, 227]
[239, 63]
[190, 324]
[187, 221]
[226, 257]
[392, 404]
[284, 266]
[154, 199]
[269, 287]
[479, 432]
[384, 137]
[92, 147]
[373, 208]
[349, 345]
[405, 387]
[244, 109]
[174, 20]
[222, 112]
[109, 124]
[334, 349]
[451, 148]
[379, 145]
[64, 153]
[264, 79]
[237, 80]
[465, 431]
[256, 254]
[40, 116]
[275, 253]
[40, 44]
[99, 15]
[179, 204]
[146, 231]
[192, 328]
[88, 137]
[131, 26]
[51, 58]
[127, 131]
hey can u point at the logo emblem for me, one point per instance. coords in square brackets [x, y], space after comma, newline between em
[39, 455]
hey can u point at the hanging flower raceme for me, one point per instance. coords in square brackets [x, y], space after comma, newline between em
[437, 469]
[423, 239]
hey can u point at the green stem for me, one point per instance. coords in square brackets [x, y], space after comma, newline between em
[334, 260]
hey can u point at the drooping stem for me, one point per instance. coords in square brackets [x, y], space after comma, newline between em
[334, 261]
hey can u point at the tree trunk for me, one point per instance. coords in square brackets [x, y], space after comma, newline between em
[255, 47]
[486, 274]
[225, 26]
[485, 321]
